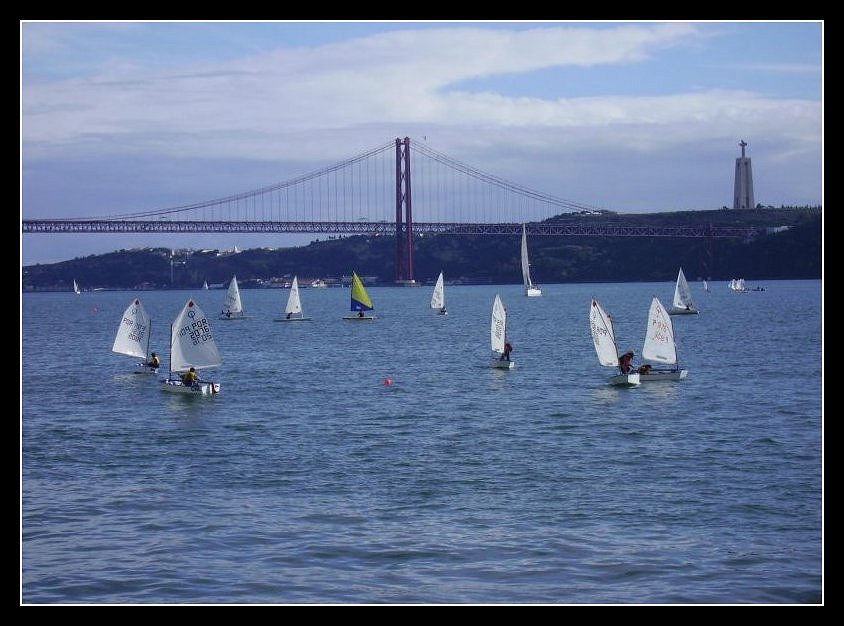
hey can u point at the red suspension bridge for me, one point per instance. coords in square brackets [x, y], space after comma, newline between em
[374, 193]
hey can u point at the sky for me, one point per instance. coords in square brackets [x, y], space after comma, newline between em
[634, 117]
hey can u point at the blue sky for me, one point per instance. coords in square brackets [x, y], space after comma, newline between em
[120, 117]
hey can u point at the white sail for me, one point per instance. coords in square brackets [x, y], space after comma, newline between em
[133, 333]
[205, 285]
[438, 297]
[705, 286]
[294, 303]
[76, 287]
[191, 341]
[530, 288]
[498, 325]
[232, 306]
[603, 335]
[682, 293]
[659, 337]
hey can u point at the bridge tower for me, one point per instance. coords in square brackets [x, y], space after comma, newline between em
[404, 215]
[743, 190]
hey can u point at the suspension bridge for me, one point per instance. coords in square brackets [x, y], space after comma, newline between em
[377, 192]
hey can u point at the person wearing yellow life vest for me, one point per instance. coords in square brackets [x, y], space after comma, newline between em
[189, 377]
[154, 361]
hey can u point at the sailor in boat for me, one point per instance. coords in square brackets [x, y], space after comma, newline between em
[508, 348]
[645, 369]
[154, 361]
[625, 362]
[189, 378]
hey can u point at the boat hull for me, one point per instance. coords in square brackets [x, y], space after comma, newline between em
[293, 319]
[202, 388]
[661, 375]
[533, 292]
[358, 318]
[674, 311]
[500, 364]
[626, 380]
[142, 368]
[234, 316]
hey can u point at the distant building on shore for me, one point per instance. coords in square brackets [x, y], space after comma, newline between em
[743, 190]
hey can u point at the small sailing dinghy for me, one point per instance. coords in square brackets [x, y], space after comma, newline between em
[232, 305]
[133, 335]
[530, 289]
[293, 310]
[192, 347]
[603, 336]
[683, 303]
[438, 297]
[498, 336]
[361, 302]
[76, 288]
[205, 285]
[660, 347]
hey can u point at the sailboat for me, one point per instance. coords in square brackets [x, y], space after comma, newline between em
[192, 347]
[530, 288]
[361, 301]
[293, 310]
[498, 336]
[706, 286]
[603, 336]
[205, 285]
[683, 303]
[438, 297]
[76, 288]
[232, 305]
[133, 334]
[660, 347]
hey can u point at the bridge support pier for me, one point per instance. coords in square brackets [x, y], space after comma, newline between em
[404, 215]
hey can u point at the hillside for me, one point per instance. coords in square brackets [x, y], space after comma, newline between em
[792, 250]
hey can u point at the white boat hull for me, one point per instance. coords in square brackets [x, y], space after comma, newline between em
[502, 364]
[360, 318]
[533, 292]
[142, 368]
[234, 316]
[292, 319]
[660, 375]
[201, 388]
[625, 380]
[676, 311]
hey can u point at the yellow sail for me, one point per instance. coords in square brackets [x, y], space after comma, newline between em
[360, 299]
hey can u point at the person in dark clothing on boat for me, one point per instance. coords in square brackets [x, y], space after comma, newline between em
[505, 356]
[625, 362]
[154, 361]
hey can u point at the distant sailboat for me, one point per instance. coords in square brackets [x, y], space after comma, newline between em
[205, 286]
[530, 288]
[660, 346]
[438, 297]
[232, 306]
[706, 286]
[498, 336]
[683, 303]
[361, 302]
[293, 310]
[192, 347]
[603, 336]
[133, 336]
[76, 288]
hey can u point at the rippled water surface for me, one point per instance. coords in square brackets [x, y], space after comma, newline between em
[311, 480]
